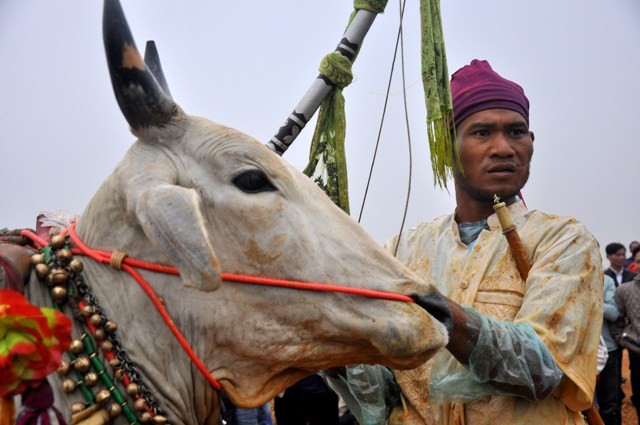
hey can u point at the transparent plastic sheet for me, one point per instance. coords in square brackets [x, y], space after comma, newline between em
[508, 359]
[368, 391]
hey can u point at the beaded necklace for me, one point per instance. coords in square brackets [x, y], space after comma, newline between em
[85, 370]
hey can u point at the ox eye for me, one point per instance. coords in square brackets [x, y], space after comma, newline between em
[253, 181]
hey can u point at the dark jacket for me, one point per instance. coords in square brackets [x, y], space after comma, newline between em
[627, 275]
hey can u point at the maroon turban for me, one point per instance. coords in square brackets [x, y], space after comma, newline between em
[476, 87]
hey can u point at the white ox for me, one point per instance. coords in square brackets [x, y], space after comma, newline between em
[209, 199]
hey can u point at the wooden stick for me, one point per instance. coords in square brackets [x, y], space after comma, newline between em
[518, 252]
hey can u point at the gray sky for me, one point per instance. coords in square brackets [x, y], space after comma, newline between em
[246, 64]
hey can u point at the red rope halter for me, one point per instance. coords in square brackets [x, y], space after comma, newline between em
[130, 264]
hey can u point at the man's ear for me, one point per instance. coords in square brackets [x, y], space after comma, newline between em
[533, 136]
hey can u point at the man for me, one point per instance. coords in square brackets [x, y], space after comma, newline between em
[628, 299]
[520, 351]
[617, 255]
[608, 386]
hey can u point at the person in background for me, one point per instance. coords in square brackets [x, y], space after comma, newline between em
[608, 386]
[616, 254]
[628, 299]
[308, 402]
[635, 266]
[633, 247]
[232, 415]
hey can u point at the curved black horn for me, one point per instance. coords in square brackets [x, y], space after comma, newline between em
[141, 99]
[152, 59]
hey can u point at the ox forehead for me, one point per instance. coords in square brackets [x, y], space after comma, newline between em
[206, 199]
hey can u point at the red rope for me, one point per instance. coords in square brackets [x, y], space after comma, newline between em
[35, 238]
[129, 265]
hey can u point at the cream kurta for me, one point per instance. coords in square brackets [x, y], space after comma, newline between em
[561, 300]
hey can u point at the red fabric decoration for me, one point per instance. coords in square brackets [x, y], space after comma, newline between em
[32, 341]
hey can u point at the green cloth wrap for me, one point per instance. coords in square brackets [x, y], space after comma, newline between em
[375, 6]
[337, 69]
[327, 160]
[437, 92]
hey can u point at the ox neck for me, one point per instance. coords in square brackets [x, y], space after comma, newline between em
[94, 331]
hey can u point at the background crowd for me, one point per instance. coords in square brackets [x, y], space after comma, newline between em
[620, 330]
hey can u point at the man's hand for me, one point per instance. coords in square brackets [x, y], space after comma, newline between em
[436, 305]
[463, 328]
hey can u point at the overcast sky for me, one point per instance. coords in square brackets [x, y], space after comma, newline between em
[246, 64]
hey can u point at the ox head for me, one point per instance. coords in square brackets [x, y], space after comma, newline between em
[207, 198]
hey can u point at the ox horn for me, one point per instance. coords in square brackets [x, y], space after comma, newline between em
[152, 59]
[140, 97]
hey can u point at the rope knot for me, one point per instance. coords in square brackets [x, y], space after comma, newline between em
[117, 258]
[337, 68]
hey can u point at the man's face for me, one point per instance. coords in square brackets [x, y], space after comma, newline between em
[633, 246]
[495, 148]
[617, 258]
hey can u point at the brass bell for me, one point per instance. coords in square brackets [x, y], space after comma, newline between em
[90, 379]
[65, 255]
[114, 409]
[59, 276]
[110, 326]
[95, 320]
[59, 294]
[159, 419]
[69, 386]
[76, 266]
[88, 310]
[140, 404]
[64, 368]
[42, 270]
[77, 407]
[57, 241]
[99, 335]
[132, 389]
[37, 259]
[76, 346]
[146, 417]
[114, 363]
[103, 396]
[106, 345]
[119, 374]
[82, 364]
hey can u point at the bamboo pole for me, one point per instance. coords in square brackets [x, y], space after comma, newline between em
[321, 87]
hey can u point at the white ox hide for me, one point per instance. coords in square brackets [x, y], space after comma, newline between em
[209, 199]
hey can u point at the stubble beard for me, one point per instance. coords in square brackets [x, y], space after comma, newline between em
[485, 196]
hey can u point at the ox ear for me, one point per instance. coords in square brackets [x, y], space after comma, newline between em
[171, 218]
[152, 59]
[140, 97]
